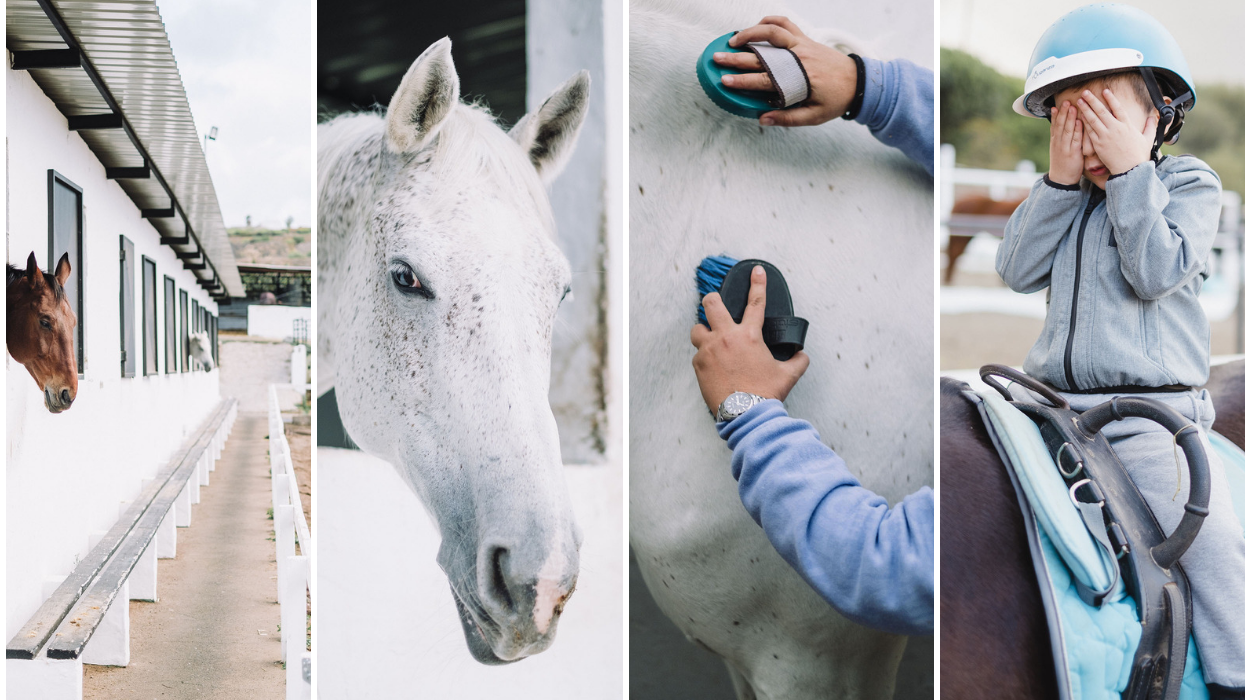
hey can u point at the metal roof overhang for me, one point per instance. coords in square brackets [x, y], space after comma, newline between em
[109, 68]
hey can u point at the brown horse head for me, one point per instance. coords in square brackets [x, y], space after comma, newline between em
[40, 333]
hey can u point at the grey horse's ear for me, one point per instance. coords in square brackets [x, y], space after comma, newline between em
[548, 135]
[427, 94]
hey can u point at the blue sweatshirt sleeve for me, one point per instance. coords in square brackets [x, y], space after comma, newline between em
[898, 107]
[872, 563]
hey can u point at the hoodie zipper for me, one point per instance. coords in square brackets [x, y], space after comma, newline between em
[1076, 291]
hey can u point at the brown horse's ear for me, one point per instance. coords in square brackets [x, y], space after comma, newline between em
[34, 276]
[62, 269]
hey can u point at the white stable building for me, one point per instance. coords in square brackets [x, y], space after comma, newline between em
[104, 163]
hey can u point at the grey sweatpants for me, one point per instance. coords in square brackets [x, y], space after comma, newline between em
[1216, 562]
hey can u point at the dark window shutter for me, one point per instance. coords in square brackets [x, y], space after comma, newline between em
[151, 362]
[171, 327]
[185, 334]
[195, 326]
[65, 226]
[129, 356]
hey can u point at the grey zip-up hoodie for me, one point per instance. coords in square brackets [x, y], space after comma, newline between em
[1124, 271]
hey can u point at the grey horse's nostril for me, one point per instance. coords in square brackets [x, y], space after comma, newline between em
[497, 590]
[65, 399]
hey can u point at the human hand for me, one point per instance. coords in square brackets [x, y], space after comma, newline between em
[1066, 161]
[733, 357]
[831, 73]
[1119, 146]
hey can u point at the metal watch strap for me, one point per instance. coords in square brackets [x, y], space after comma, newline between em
[720, 410]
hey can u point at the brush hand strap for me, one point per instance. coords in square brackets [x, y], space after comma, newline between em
[785, 331]
[786, 73]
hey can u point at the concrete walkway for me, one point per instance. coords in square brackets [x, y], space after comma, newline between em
[214, 633]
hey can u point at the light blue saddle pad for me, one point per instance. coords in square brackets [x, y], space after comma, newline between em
[1093, 647]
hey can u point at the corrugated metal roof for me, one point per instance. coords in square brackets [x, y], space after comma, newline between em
[125, 43]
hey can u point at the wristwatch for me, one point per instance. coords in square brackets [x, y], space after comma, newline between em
[736, 404]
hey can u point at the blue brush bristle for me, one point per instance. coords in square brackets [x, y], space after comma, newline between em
[709, 276]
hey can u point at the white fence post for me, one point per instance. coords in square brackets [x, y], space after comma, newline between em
[44, 678]
[167, 536]
[294, 620]
[289, 525]
[299, 365]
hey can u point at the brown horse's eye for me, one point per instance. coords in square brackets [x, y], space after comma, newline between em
[45, 323]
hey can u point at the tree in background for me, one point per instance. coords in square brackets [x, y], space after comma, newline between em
[977, 119]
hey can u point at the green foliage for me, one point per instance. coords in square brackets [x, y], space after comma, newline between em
[977, 117]
[978, 120]
[1216, 132]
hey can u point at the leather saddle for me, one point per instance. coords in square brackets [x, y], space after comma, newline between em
[1119, 518]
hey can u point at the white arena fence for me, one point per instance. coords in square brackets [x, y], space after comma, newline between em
[290, 526]
[1227, 251]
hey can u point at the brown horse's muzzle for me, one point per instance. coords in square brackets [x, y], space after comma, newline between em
[57, 400]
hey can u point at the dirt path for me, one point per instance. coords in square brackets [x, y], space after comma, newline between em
[249, 366]
[214, 632]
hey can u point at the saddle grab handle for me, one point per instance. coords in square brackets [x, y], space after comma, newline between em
[1169, 551]
[1024, 380]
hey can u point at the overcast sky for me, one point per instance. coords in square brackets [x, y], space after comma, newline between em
[1002, 33]
[248, 69]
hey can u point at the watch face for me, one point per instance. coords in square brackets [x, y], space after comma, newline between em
[737, 403]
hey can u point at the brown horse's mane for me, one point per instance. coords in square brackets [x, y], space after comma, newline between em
[16, 273]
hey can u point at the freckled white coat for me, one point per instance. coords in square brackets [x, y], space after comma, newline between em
[447, 379]
[849, 222]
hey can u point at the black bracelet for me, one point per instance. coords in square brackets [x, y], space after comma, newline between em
[852, 110]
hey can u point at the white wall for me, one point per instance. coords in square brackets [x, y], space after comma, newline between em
[561, 38]
[275, 321]
[67, 474]
[386, 622]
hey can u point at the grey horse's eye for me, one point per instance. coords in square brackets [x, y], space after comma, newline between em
[406, 281]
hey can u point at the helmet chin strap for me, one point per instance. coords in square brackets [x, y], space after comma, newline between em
[1171, 116]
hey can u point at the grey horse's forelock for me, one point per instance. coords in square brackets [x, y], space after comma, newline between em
[470, 148]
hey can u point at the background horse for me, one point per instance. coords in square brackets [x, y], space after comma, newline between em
[995, 640]
[849, 222]
[440, 279]
[981, 205]
[201, 349]
[40, 330]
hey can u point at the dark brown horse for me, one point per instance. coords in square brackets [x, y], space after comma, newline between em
[40, 330]
[994, 639]
[979, 205]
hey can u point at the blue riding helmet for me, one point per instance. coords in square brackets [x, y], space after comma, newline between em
[1108, 38]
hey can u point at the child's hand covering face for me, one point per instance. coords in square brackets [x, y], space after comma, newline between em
[1120, 144]
[1118, 134]
[1066, 136]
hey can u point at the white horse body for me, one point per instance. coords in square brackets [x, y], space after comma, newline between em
[849, 222]
[439, 282]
